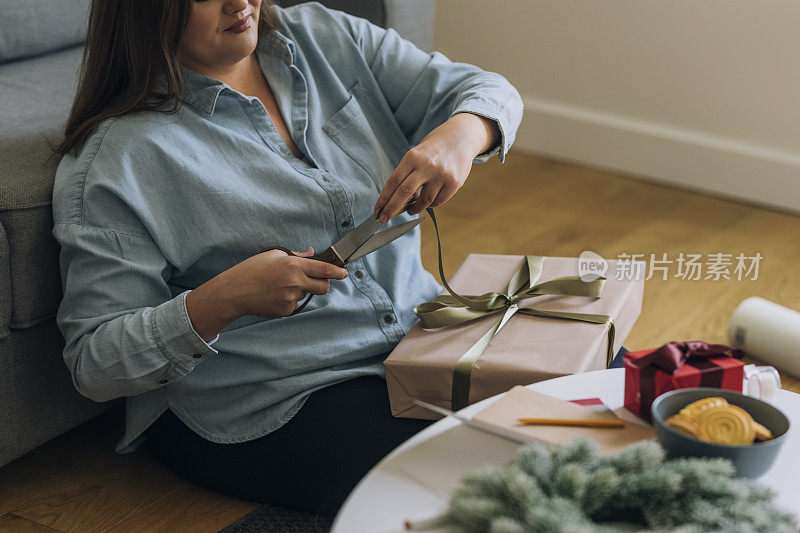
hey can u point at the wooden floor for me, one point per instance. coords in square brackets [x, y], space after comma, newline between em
[528, 205]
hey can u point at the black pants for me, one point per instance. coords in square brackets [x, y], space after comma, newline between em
[311, 463]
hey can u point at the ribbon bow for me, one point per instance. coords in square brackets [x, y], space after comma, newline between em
[673, 355]
[453, 309]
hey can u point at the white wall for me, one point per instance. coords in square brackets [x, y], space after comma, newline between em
[701, 94]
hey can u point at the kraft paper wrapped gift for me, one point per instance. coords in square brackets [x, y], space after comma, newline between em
[525, 350]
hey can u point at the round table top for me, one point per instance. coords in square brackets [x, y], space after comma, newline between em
[413, 481]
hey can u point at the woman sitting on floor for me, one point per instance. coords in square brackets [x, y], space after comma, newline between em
[204, 131]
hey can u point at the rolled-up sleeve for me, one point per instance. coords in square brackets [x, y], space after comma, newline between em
[424, 90]
[124, 331]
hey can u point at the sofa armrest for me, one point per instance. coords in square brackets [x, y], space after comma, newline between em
[413, 19]
[5, 285]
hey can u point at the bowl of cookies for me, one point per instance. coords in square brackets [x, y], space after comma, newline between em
[708, 422]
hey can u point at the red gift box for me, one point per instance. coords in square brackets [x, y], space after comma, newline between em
[679, 365]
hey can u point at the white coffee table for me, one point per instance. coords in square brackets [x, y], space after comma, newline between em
[412, 482]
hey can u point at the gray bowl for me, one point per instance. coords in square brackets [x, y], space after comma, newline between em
[750, 460]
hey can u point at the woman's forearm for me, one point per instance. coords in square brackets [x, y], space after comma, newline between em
[210, 309]
[479, 132]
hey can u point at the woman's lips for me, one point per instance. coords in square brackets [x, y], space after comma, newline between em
[240, 26]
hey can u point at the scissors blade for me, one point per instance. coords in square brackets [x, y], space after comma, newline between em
[382, 238]
[351, 242]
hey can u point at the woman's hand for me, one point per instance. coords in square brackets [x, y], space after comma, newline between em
[438, 166]
[271, 283]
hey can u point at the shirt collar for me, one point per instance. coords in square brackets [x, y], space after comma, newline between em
[202, 91]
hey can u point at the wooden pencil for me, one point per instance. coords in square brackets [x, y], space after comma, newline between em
[592, 423]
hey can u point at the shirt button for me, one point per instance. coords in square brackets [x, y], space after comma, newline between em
[196, 355]
[162, 381]
[389, 319]
[359, 274]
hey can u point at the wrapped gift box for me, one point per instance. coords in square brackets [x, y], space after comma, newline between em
[526, 350]
[679, 365]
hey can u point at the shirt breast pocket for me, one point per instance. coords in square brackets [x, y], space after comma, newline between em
[362, 137]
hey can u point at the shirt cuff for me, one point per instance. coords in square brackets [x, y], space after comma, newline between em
[483, 109]
[176, 338]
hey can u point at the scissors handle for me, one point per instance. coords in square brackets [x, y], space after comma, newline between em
[328, 256]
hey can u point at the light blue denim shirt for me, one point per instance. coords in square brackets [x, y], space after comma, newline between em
[155, 205]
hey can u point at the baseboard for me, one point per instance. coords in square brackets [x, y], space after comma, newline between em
[682, 158]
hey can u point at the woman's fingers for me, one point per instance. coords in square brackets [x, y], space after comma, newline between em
[427, 195]
[436, 173]
[444, 194]
[308, 253]
[402, 194]
[317, 286]
[322, 270]
[300, 295]
[399, 175]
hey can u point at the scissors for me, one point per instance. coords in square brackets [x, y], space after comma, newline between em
[358, 242]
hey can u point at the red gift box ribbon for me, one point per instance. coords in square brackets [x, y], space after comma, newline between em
[673, 355]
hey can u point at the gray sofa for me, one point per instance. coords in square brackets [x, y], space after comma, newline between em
[40, 54]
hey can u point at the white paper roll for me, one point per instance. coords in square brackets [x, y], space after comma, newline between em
[769, 332]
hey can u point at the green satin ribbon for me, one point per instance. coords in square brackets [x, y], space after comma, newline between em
[456, 309]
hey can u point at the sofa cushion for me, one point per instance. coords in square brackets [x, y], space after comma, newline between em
[5, 285]
[28, 28]
[38, 400]
[38, 95]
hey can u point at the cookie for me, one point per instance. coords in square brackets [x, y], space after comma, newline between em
[727, 424]
[762, 433]
[686, 425]
[695, 408]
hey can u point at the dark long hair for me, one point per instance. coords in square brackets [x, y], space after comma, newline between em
[129, 44]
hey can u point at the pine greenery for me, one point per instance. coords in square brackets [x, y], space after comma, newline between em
[574, 490]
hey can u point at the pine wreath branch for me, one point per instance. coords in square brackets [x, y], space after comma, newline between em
[574, 490]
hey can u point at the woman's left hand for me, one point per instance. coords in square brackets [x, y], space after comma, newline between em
[438, 166]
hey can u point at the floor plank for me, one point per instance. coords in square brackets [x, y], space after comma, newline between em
[82, 450]
[11, 523]
[189, 508]
[528, 205]
[76, 482]
[98, 500]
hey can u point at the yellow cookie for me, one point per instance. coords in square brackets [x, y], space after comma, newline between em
[762, 433]
[686, 425]
[695, 408]
[727, 424]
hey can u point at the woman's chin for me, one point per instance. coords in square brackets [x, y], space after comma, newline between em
[234, 54]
